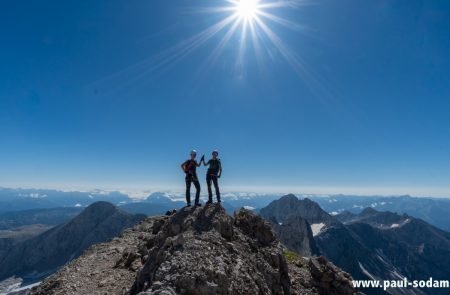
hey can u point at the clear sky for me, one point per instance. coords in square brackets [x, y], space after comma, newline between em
[334, 94]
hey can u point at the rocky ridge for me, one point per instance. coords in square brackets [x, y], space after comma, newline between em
[197, 251]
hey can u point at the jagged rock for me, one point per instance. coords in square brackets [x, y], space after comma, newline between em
[193, 251]
[202, 263]
[329, 279]
[255, 227]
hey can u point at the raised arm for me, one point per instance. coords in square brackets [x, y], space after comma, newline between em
[203, 159]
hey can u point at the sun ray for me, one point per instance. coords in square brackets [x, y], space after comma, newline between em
[224, 41]
[253, 16]
[285, 4]
[284, 22]
[282, 48]
[242, 44]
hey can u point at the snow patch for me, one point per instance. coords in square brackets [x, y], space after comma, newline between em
[420, 248]
[9, 285]
[395, 225]
[23, 288]
[316, 228]
[397, 275]
[249, 207]
[382, 260]
[366, 272]
[78, 205]
[334, 213]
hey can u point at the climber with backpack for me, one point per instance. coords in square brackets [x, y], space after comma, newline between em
[190, 169]
[212, 175]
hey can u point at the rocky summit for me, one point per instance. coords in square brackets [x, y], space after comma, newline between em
[198, 250]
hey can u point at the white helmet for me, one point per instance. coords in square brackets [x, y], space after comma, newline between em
[193, 152]
[216, 152]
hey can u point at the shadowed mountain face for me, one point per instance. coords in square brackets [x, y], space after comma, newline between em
[197, 251]
[296, 235]
[419, 250]
[46, 252]
[11, 237]
[296, 222]
[383, 245]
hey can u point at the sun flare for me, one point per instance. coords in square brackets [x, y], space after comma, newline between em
[247, 9]
[250, 26]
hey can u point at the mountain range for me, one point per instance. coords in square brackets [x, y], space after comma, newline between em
[199, 250]
[369, 245]
[435, 211]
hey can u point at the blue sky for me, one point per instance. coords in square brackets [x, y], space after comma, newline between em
[360, 102]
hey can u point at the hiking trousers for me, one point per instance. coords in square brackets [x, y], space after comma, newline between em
[192, 179]
[214, 179]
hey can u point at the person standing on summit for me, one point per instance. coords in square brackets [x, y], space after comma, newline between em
[212, 175]
[190, 168]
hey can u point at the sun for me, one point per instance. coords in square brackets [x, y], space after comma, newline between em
[247, 9]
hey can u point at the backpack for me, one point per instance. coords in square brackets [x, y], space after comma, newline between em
[188, 166]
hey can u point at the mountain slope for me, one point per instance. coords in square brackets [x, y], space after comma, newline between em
[44, 253]
[417, 248]
[10, 238]
[196, 251]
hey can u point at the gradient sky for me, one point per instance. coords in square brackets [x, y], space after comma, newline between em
[100, 94]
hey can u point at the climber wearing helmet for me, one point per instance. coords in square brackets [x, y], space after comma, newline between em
[214, 172]
[190, 168]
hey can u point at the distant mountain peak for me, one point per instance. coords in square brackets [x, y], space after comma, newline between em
[287, 205]
[101, 205]
[368, 211]
[289, 197]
